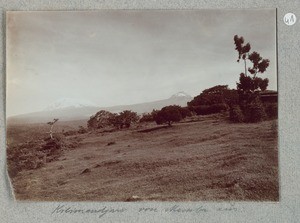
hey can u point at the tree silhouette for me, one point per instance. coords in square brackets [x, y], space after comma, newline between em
[51, 126]
[124, 119]
[243, 50]
[219, 94]
[128, 117]
[250, 84]
[100, 120]
[168, 114]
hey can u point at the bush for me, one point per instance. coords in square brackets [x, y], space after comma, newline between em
[70, 132]
[81, 130]
[185, 112]
[236, 114]
[254, 111]
[100, 120]
[209, 109]
[216, 108]
[124, 119]
[215, 95]
[168, 115]
[201, 110]
[34, 154]
[271, 110]
[147, 118]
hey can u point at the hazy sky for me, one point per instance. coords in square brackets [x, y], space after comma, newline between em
[114, 57]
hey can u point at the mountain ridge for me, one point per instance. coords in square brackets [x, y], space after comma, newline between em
[79, 113]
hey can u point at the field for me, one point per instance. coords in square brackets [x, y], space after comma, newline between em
[206, 158]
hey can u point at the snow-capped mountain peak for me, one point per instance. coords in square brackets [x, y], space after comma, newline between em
[69, 103]
[181, 94]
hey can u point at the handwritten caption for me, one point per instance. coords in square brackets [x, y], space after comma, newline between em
[106, 210]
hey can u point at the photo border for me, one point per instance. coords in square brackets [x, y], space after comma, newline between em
[286, 210]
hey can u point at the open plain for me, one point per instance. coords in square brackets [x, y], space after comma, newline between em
[203, 158]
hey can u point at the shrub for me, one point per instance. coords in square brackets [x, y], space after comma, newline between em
[236, 114]
[254, 111]
[271, 110]
[104, 119]
[209, 109]
[185, 112]
[34, 154]
[216, 108]
[215, 95]
[70, 132]
[201, 110]
[124, 118]
[147, 117]
[168, 115]
[100, 120]
[81, 130]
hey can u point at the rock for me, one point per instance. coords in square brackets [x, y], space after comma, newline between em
[111, 143]
[87, 170]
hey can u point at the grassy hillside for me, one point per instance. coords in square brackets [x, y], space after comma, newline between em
[205, 159]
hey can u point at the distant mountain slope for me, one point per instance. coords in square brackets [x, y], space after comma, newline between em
[69, 103]
[78, 111]
[180, 98]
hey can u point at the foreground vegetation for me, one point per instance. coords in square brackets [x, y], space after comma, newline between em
[202, 158]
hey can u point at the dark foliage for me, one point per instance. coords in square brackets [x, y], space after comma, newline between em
[241, 48]
[209, 109]
[219, 94]
[104, 119]
[100, 120]
[82, 130]
[254, 111]
[185, 112]
[249, 84]
[236, 114]
[271, 110]
[124, 119]
[147, 117]
[168, 114]
[34, 154]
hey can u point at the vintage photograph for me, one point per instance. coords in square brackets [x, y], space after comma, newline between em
[142, 105]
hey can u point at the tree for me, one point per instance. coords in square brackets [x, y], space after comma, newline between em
[218, 94]
[146, 117]
[128, 117]
[168, 114]
[100, 120]
[124, 118]
[51, 127]
[250, 84]
[105, 118]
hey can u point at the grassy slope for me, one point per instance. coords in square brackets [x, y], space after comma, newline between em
[206, 160]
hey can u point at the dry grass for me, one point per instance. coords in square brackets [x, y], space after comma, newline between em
[204, 159]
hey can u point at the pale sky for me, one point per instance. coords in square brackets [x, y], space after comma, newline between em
[114, 57]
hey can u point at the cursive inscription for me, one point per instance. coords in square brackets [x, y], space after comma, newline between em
[62, 209]
[174, 209]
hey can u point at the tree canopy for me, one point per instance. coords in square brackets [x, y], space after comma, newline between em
[250, 83]
[168, 115]
[219, 94]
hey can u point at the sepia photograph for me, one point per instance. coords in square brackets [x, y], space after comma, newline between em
[142, 105]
